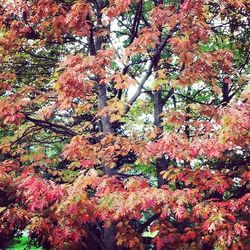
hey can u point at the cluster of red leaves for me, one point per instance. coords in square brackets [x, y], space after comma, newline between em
[80, 72]
[187, 213]
[204, 180]
[78, 18]
[46, 20]
[25, 197]
[13, 219]
[70, 209]
[9, 112]
[107, 151]
[119, 201]
[228, 129]
[38, 194]
[118, 7]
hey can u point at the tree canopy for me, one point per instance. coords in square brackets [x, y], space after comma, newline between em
[125, 124]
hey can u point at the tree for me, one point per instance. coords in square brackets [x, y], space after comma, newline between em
[125, 124]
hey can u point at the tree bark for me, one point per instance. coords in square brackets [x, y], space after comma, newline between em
[160, 163]
[108, 236]
[108, 233]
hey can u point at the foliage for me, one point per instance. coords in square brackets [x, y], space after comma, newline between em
[21, 243]
[125, 124]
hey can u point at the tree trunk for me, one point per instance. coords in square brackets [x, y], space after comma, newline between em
[158, 108]
[161, 164]
[108, 238]
[108, 233]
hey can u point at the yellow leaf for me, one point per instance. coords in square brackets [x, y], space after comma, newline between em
[125, 168]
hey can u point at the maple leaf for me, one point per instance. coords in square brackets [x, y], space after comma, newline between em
[189, 236]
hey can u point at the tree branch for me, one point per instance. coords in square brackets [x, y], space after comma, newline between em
[95, 238]
[170, 93]
[56, 128]
[147, 223]
[150, 69]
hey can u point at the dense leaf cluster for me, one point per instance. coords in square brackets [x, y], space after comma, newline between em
[125, 124]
